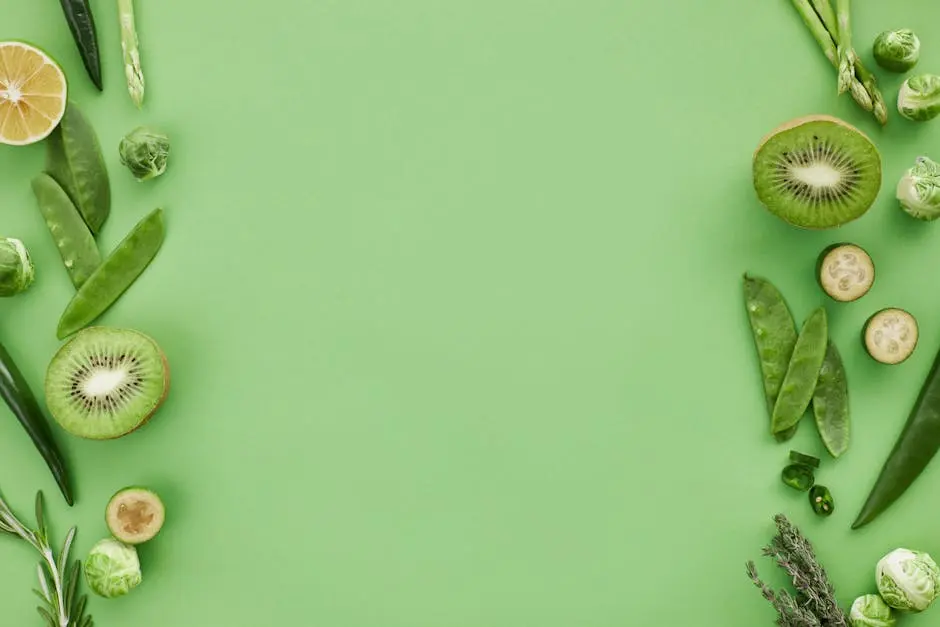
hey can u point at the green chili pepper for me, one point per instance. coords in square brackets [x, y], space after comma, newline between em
[821, 500]
[798, 476]
[115, 274]
[21, 401]
[82, 26]
[802, 458]
[916, 445]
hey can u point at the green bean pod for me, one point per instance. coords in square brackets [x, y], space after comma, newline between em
[774, 332]
[831, 403]
[75, 242]
[799, 384]
[115, 274]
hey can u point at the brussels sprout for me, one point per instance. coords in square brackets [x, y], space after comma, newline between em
[870, 610]
[919, 98]
[897, 50]
[16, 268]
[112, 568]
[918, 190]
[144, 151]
[908, 580]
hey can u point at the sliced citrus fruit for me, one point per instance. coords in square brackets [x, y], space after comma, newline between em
[33, 93]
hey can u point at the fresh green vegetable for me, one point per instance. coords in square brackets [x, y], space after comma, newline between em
[821, 500]
[74, 159]
[919, 98]
[81, 23]
[130, 49]
[821, 20]
[802, 458]
[915, 447]
[774, 333]
[115, 274]
[831, 403]
[845, 52]
[144, 151]
[845, 272]
[908, 580]
[75, 242]
[135, 514]
[112, 568]
[16, 267]
[918, 190]
[19, 397]
[890, 335]
[827, 41]
[814, 602]
[870, 610]
[802, 372]
[897, 50]
[62, 605]
[798, 476]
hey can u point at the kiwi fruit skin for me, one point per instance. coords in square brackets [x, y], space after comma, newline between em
[157, 403]
[142, 492]
[759, 176]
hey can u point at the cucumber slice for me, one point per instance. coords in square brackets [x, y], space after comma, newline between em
[890, 335]
[845, 272]
[135, 515]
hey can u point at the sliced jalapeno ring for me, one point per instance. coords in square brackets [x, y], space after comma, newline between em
[821, 500]
[802, 458]
[798, 476]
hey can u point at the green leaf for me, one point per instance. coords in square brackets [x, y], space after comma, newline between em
[85, 622]
[45, 614]
[44, 583]
[40, 518]
[71, 583]
[66, 548]
[39, 594]
[79, 609]
[75, 161]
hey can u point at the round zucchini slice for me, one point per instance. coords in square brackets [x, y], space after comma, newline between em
[845, 272]
[135, 515]
[890, 335]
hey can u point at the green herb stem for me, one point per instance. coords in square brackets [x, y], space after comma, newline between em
[57, 582]
[130, 48]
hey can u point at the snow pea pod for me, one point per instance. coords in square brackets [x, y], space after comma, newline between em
[774, 332]
[74, 159]
[831, 403]
[799, 384]
[115, 274]
[75, 242]
[916, 445]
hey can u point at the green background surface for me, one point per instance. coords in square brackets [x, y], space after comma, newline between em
[451, 294]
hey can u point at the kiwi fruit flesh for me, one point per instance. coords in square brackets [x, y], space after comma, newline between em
[135, 514]
[106, 382]
[817, 172]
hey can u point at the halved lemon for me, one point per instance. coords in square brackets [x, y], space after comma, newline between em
[33, 94]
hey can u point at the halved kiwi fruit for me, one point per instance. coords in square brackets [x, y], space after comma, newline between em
[817, 172]
[135, 514]
[106, 382]
[845, 272]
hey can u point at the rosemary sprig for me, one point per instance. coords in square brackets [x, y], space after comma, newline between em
[814, 604]
[58, 580]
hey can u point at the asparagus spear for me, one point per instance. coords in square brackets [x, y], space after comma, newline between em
[844, 40]
[824, 39]
[824, 10]
[131, 51]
